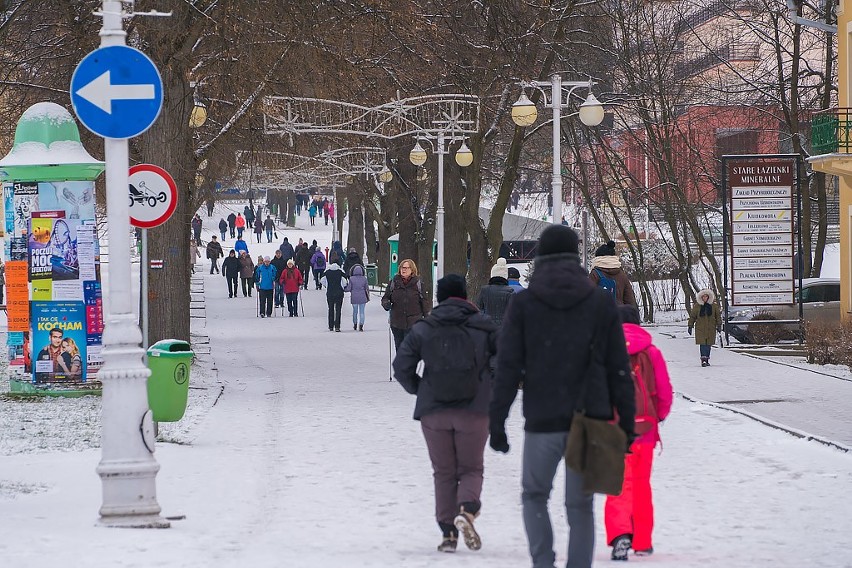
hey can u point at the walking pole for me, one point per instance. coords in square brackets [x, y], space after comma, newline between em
[390, 354]
[301, 303]
[257, 304]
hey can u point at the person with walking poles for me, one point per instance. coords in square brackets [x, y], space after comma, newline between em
[318, 264]
[291, 282]
[231, 272]
[561, 338]
[456, 343]
[403, 298]
[359, 295]
[246, 273]
[334, 282]
[707, 321]
[629, 517]
[214, 253]
[266, 276]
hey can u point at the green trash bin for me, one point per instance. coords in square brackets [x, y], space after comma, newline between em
[372, 275]
[168, 385]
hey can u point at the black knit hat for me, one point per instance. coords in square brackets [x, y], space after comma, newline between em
[558, 239]
[514, 274]
[606, 250]
[452, 286]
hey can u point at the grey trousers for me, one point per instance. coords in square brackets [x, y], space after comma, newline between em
[456, 442]
[542, 454]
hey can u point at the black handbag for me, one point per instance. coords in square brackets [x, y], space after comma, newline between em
[595, 447]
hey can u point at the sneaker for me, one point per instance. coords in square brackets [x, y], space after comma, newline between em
[448, 544]
[646, 552]
[464, 523]
[620, 547]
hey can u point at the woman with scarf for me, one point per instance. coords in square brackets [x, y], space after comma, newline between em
[707, 321]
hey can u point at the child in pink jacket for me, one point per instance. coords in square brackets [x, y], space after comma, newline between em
[629, 517]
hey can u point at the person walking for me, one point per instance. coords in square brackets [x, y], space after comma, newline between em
[514, 279]
[325, 209]
[403, 298]
[193, 254]
[266, 276]
[291, 281]
[331, 211]
[231, 271]
[248, 211]
[280, 264]
[240, 224]
[246, 273]
[456, 344]
[287, 249]
[232, 220]
[258, 228]
[352, 258]
[495, 296]
[210, 206]
[214, 253]
[336, 253]
[269, 227]
[223, 228]
[312, 212]
[303, 263]
[196, 228]
[707, 321]
[334, 282]
[608, 273]
[318, 264]
[359, 295]
[550, 333]
[629, 517]
[241, 246]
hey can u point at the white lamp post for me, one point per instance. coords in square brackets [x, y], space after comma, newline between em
[464, 158]
[524, 114]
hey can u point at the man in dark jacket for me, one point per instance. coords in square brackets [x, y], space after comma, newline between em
[287, 250]
[303, 262]
[494, 297]
[352, 258]
[232, 223]
[549, 333]
[456, 344]
[231, 272]
[214, 253]
[280, 263]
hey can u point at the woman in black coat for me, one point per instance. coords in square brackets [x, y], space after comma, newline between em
[404, 300]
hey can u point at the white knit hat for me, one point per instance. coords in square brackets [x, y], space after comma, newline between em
[500, 269]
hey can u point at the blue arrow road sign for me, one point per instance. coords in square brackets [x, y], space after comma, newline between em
[117, 92]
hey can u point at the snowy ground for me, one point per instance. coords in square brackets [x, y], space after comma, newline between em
[310, 458]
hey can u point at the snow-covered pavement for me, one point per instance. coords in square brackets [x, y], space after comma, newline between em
[310, 459]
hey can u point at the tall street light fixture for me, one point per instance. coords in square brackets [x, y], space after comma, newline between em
[525, 114]
[464, 158]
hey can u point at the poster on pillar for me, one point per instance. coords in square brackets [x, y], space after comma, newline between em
[50, 239]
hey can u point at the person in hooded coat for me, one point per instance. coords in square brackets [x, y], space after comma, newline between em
[705, 317]
[495, 296]
[232, 220]
[629, 517]
[231, 272]
[455, 428]
[607, 262]
[223, 228]
[334, 282]
[303, 262]
[318, 263]
[286, 249]
[359, 295]
[352, 258]
[246, 273]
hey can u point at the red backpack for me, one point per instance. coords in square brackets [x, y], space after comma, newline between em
[645, 387]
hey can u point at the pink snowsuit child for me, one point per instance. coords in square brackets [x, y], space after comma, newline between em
[629, 517]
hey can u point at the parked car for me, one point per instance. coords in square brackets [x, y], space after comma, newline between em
[820, 303]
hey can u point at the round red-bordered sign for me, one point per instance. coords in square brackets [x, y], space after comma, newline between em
[153, 195]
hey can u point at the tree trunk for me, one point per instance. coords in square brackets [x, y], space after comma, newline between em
[354, 205]
[371, 251]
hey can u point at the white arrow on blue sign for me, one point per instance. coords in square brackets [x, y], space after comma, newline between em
[117, 92]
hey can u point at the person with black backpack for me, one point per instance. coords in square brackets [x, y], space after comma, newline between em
[456, 343]
[607, 273]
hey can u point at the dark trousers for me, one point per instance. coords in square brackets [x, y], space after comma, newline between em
[306, 275]
[279, 294]
[233, 230]
[232, 285]
[456, 440]
[248, 284]
[312, 220]
[335, 304]
[214, 265]
[258, 236]
[293, 304]
[265, 301]
[326, 219]
[398, 336]
[317, 275]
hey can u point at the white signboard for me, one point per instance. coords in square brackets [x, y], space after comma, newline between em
[764, 274]
[765, 203]
[768, 239]
[763, 298]
[770, 215]
[759, 286]
[764, 262]
[768, 250]
[761, 192]
[761, 227]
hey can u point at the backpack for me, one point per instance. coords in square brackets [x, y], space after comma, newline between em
[320, 262]
[606, 283]
[452, 370]
[645, 388]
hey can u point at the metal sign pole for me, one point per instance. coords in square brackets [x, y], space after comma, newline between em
[143, 291]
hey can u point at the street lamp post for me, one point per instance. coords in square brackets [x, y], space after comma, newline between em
[524, 114]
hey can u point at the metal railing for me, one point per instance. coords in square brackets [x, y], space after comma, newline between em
[737, 51]
[831, 131]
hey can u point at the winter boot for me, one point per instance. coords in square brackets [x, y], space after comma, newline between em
[448, 544]
[620, 547]
[464, 524]
[646, 552]
[705, 361]
[355, 327]
[361, 327]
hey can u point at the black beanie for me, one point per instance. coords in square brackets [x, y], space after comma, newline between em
[629, 314]
[514, 274]
[606, 250]
[558, 239]
[452, 286]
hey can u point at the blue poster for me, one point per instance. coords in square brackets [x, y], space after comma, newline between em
[59, 342]
[8, 208]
